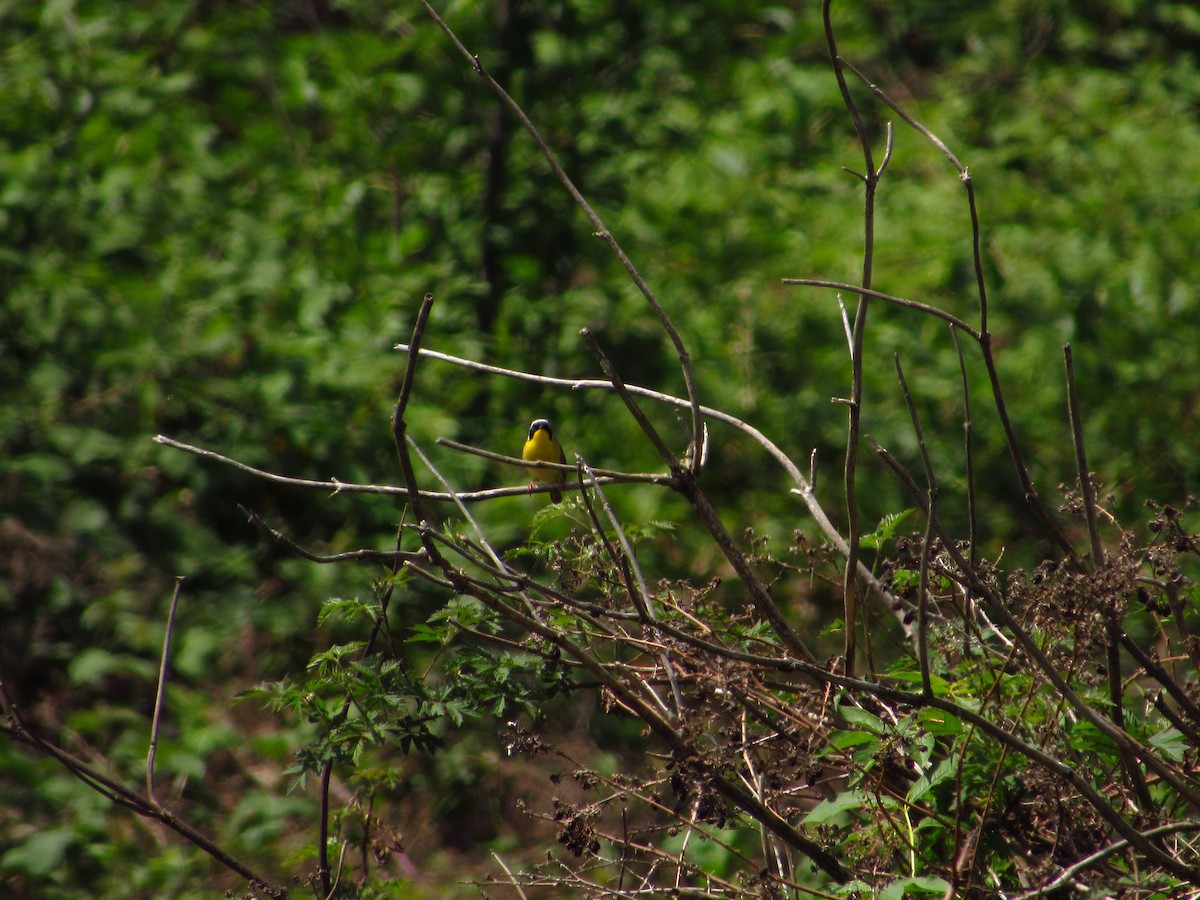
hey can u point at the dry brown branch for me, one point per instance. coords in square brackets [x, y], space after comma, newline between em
[804, 488]
[22, 731]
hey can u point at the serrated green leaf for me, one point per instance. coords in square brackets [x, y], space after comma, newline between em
[945, 769]
[1171, 742]
[886, 529]
[845, 802]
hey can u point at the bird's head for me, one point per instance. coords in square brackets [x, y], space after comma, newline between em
[539, 425]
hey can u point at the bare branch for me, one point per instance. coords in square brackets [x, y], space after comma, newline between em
[804, 489]
[888, 298]
[618, 384]
[605, 476]
[97, 780]
[854, 407]
[1081, 464]
[346, 487]
[969, 461]
[1183, 782]
[927, 545]
[161, 690]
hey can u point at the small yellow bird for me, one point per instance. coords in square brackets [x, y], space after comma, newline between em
[542, 447]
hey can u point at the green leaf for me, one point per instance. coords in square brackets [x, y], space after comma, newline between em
[841, 740]
[922, 884]
[1086, 737]
[860, 888]
[41, 853]
[945, 769]
[941, 687]
[835, 806]
[835, 627]
[349, 609]
[939, 722]
[886, 529]
[1171, 742]
[858, 716]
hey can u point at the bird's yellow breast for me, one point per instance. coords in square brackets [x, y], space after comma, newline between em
[542, 448]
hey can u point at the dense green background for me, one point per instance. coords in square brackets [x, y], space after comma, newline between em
[217, 219]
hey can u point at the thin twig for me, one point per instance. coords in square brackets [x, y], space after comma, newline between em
[480, 496]
[927, 545]
[964, 175]
[870, 179]
[610, 371]
[117, 793]
[1068, 773]
[900, 111]
[511, 878]
[969, 456]
[161, 691]
[666, 731]
[341, 868]
[687, 486]
[887, 298]
[484, 544]
[983, 336]
[1173, 686]
[1103, 853]
[636, 585]
[389, 556]
[333, 484]
[1086, 488]
[611, 476]
[1113, 630]
[399, 428]
[500, 565]
[846, 326]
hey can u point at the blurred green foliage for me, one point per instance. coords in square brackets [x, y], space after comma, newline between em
[217, 219]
